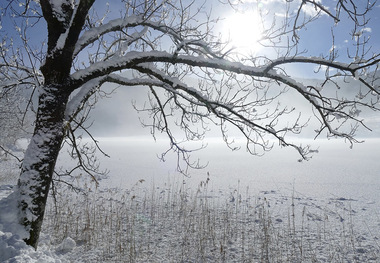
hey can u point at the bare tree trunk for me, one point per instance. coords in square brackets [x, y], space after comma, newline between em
[40, 158]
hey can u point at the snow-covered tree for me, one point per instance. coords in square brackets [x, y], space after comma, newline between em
[11, 128]
[195, 78]
[15, 119]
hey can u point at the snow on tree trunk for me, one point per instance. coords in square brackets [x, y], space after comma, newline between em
[39, 161]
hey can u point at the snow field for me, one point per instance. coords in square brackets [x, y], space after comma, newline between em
[177, 224]
[201, 221]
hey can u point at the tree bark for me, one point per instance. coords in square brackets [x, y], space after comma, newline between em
[40, 158]
[38, 166]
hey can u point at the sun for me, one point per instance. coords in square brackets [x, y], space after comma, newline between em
[243, 30]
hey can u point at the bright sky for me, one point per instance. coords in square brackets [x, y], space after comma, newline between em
[244, 27]
[243, 30]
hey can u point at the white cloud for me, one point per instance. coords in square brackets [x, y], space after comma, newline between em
[281, 14]
[333, 48]
[312, 10]
[360, 32]
[367, 29]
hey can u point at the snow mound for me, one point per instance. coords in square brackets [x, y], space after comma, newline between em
[9, 216]
[67, 245]
[12, 247]
[14, 250]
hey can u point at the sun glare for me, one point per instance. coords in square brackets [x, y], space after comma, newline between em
[243, 31]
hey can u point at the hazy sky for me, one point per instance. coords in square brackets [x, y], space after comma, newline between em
[243, 28]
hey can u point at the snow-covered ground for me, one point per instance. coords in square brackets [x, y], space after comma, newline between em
[238, 209]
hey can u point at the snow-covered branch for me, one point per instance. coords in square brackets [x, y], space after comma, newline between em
[76, 103]
[95, 33]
